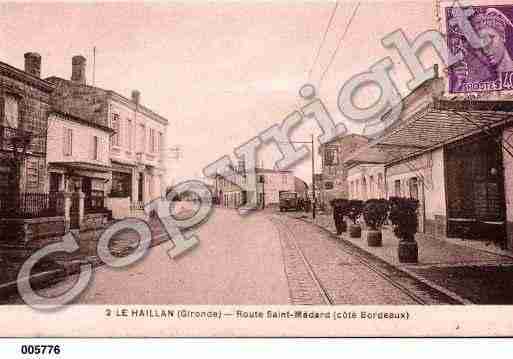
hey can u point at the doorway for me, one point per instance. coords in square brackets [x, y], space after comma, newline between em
[475, 189]
[140, 186]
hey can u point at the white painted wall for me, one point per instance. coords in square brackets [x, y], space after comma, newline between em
[82, 142]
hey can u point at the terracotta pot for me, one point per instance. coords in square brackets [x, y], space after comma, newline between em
[408, 251]
[374, 238]
[355, 231]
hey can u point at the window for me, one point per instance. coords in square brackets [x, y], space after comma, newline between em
[380, 186]
[414, 188]
[328, 185]
[96, 148]
[152, 140]
[330, 157]
[129, 135]
[397, 187]
[284, 179]
[68, 142]
[11, 111]
[116, 127]
[161, 142]
[142, 138]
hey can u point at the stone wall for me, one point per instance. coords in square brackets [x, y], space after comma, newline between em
[31, 231]
[33, 98]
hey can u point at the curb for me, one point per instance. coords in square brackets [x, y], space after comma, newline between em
[408, 272]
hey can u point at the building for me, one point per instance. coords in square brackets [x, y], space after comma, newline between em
[24, 108]
[135, 148]
[301, 187]
[78, 161]
[27, 210]
[334, 170]
[453, 155]
[272, 182]
[269, 184]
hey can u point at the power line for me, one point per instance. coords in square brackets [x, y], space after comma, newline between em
[333, 11]
[339, 43]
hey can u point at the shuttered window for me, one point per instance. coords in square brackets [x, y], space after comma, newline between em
[68, 142]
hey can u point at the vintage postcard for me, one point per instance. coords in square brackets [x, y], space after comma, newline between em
[278, 169]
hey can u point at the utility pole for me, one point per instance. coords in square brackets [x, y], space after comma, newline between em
[94, 64]
[313, 178]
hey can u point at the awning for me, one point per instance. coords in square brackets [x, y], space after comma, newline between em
[433, 126]
[84, 166]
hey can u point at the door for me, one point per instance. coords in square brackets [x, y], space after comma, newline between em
[140, 186]
[475, 189]
[55, 181]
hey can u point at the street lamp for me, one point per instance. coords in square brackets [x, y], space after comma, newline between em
[20, 141]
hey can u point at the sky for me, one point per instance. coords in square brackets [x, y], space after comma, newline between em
[221, 72]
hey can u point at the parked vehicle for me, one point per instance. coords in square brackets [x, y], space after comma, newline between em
[288, 201]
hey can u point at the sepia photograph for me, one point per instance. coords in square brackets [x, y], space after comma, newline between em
[248, 168]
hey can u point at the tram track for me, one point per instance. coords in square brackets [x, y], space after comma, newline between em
[417, 292]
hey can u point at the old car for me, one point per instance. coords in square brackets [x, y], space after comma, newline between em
[288, 201]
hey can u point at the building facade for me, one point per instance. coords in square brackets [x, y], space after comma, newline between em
[334, 169]
[453, 156]
[137, 140]
[24, 108]
[269, 185]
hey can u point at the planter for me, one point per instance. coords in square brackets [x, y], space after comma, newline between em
[374, 238]
[355, 231]
[341, 226]
[408, 251]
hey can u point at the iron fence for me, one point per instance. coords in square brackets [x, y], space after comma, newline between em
[31, 205]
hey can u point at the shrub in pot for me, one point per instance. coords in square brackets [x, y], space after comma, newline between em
[375, 214]
[403, 215]
[354, 210]
[339, 206]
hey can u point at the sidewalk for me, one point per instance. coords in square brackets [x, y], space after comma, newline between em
[466, 271]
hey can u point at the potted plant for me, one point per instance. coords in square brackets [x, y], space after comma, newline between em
[339, 206]
[375, 214]
[354, 210]
[403, 215]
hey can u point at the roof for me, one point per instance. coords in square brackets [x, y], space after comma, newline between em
[116, 96]
[435, 125]
[26, 77]
[82, 121]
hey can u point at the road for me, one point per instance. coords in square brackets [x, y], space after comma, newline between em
[263, 258]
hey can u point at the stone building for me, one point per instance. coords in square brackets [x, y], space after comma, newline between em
[136, 147]
[334, 170]
[24, 108]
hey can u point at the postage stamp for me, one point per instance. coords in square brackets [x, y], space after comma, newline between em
[256, 169]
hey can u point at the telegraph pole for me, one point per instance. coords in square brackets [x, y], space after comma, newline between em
[313, 178]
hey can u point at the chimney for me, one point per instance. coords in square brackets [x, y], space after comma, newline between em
[78, 69]
[33, 63]
[136, 96]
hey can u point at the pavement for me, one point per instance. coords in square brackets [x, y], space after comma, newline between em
[238, 261]
[469, 272]
[261, 258]
[267, 257]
